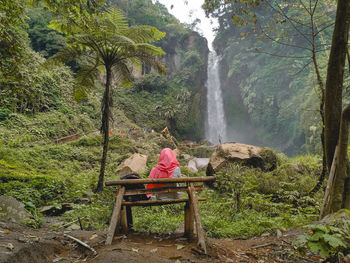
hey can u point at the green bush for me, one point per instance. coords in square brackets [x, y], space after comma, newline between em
[327, 241]
[27, 186]
[4, 113]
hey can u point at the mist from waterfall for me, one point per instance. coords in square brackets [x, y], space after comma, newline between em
[216, 122]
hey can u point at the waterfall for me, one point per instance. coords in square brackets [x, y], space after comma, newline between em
[216, 122]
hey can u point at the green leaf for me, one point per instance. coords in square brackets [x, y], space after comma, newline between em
[334, 241]
[316, 236]
[319, 248]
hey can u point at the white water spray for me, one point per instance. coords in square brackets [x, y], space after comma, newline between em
[216, 122]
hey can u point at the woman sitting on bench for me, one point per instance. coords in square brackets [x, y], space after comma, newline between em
[168, 167]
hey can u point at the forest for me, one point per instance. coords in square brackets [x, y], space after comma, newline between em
[92, 91]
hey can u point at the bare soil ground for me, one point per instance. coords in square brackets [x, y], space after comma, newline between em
[22, 244]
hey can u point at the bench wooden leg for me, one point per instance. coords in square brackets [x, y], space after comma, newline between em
[129, 217]
[115, 215]
[189, 220]
[200, 231]
[123, 219]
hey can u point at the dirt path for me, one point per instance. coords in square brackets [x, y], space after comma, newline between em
[22, 244]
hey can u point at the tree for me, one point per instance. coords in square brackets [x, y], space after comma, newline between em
[336, 121]
[108, 43]
[19, 80]
[297, 26]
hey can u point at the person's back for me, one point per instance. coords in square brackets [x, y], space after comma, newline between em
[168, 167]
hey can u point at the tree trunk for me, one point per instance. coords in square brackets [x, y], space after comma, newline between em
[339, 189]
[322, 98]
[105, 128]
[334, 83]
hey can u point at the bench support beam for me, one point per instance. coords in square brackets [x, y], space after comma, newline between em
[189, 220]
[115, 216]
[199, 228]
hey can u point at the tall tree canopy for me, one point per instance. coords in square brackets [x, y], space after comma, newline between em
[107, 44]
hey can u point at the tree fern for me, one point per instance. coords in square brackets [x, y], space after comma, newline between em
[107, 41]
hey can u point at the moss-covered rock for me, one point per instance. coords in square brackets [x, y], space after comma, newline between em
[243, 154]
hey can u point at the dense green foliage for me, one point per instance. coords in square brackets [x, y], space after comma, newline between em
[330, 242]
[38, 107]
[182, 91]
[268, 76]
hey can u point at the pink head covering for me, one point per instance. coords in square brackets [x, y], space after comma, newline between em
[165, 169]
[166, 165]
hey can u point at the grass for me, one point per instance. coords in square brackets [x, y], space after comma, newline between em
[34, 169]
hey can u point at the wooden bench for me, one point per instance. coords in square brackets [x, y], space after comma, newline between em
[122, 213]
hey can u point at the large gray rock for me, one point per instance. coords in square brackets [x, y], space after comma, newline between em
[197, 163]
[12, 210]
[192, 167]
[201, 163]
[136, 163]
[244, 154]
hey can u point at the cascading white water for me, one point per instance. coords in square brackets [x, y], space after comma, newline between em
[216, 122]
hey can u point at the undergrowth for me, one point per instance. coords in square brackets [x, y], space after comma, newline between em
[245, 201]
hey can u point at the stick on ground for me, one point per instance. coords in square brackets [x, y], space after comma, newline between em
[81, 243]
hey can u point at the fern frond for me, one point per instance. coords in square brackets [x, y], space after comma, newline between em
[143, 34]
[154, 63]
[122, 74]
[117, 19]
[85, 81]
[144, 48]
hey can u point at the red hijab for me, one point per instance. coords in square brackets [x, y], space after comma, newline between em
[165, 169]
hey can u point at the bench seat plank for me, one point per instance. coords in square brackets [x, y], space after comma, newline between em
[160, 190]
[161, 180]
[158, 202]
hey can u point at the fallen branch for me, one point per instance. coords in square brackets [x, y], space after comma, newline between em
[263, 245]
[81, 243]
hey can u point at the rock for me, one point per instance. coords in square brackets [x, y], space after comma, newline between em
[197, 163]
[73, 227]
[51, 210]
[13, 210]
[338, 219]
[347, 258]
[201, 163]
[244, 154]
[192, 167]
[136, 163]
[279, 234]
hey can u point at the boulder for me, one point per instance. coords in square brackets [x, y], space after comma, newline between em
[192, 167]
[244, 154]
[197, 163]
[136, 163]
[13, 210]
[201, 163]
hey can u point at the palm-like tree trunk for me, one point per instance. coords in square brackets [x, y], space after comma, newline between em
[105, 128]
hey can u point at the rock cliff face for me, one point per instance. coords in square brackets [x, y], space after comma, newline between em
[177, 100]
[239, 126]
[174, 60]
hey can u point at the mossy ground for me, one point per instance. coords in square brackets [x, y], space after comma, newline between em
[246, 202]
